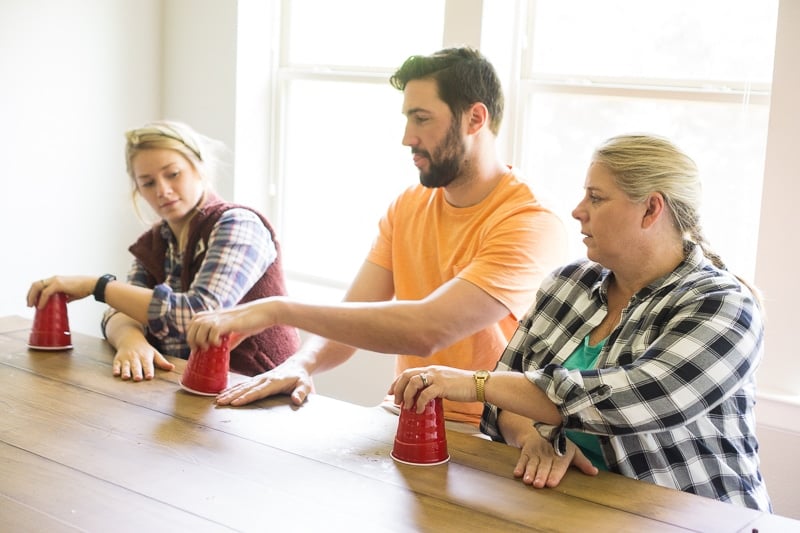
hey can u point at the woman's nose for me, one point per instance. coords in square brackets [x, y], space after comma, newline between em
[578, 213]
[162, 188]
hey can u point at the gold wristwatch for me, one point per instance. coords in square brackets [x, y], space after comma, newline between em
[481, 376]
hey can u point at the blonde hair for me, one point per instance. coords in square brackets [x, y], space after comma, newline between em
[202, 152]
[643, 164]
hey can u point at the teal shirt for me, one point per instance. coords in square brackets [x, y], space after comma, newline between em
[584, 358]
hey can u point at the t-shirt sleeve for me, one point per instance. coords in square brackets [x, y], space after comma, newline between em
[518, 252]
[381, 251]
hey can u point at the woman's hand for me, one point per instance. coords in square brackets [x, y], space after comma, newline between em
[432, 382]
[539, 465]
[75, 287]
[136, 359]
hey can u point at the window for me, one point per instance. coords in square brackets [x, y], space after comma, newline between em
[342, 161]
[575, 73]
[698, 73]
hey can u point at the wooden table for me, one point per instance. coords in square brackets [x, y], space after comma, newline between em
[83, 451]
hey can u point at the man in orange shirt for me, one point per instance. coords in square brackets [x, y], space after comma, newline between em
[457, 260]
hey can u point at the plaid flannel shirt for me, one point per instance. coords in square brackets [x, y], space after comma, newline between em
[672, 396]
[240, 249]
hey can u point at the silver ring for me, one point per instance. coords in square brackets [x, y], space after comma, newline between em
[424, 379]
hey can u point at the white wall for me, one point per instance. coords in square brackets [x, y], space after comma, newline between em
[77, 73]
[221, 86]
[198, 84]
[778, 409]
[777, 243]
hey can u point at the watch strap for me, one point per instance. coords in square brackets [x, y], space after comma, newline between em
[100, 287]
[480, 385]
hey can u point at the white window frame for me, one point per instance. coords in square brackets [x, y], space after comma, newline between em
[462, 22]
[466, 22]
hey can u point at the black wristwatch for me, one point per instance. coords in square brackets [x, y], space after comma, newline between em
[100, 288]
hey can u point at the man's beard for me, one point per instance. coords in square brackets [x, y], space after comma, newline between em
[446, 160]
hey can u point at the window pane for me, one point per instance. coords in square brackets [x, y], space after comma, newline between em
[676, 39]
[344, 164]
[363, 32]
[727, 141]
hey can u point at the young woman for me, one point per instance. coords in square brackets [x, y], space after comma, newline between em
[203, 254]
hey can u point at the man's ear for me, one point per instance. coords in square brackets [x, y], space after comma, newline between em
[478, 117]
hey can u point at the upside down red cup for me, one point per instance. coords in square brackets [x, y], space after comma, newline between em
[206, 372]
[50, 329]
[421, 438]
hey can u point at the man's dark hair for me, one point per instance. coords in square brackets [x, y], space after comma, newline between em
[463, 77]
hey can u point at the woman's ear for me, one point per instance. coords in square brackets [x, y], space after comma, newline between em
[655, 207]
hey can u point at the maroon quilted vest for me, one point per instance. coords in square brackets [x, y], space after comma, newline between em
[257, 353]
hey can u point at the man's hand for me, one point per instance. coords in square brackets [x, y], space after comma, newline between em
[287, 378]
[240, 321]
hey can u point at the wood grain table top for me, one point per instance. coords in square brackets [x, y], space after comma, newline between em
[81, 450]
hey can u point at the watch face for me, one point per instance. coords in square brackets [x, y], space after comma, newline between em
[482, 374]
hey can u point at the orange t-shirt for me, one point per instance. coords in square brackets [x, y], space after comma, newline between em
[504, 245]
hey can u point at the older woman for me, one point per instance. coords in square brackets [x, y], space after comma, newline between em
[640, 359]
[203, 254]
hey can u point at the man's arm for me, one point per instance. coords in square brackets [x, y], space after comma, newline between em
[368, 319]
[293, 376]
[318, 354]
[421, 327]
[454, 311]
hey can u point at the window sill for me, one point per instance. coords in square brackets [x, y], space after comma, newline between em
[779, 411]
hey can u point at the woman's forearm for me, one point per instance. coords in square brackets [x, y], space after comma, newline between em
[129, 299]
[514, 428]
[120, 328]
[512, 391]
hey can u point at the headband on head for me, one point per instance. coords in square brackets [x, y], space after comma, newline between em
[161, 129]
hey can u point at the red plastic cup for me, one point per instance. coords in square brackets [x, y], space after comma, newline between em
[421, 438]
[206, 372]
[50, 329]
